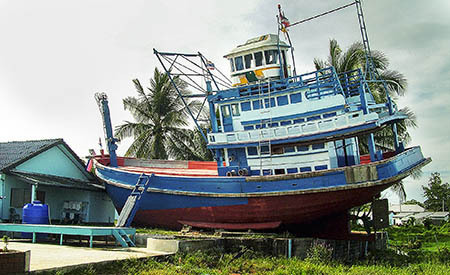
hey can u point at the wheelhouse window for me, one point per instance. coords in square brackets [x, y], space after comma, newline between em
[258, 59]
[231, 64]
[238, 63]
[248, 61]
[271, 56]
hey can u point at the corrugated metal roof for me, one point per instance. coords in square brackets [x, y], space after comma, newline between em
[16, 151]
[406, 208]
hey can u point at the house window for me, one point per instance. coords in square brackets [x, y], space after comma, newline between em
[22, 196]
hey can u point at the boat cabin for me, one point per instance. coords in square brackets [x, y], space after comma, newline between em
[259, 60]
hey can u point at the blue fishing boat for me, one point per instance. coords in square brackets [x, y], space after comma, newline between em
[287, 147]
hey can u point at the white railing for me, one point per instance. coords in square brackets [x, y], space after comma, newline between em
[293, 130]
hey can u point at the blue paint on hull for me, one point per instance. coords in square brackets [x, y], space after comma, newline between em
[209, 189]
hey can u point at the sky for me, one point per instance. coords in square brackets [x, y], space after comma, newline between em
[55, 55]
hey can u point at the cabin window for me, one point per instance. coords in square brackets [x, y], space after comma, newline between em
[302, 148]
[277, 150]
[305, 169]
[235, 109]
[312, 118]
[256, 104]
[299, 120]
[265, 150]
[295, 98]
[248, 127]
[271, 104]
[274, 124]
[289, 149]
[292, 170]
[282, 100]
[238, 63]
[248, 61]
[329, 115]
[252, 151]
[318, 146]
[284, 123]
[245, 106]
[258, 59]
[279, 171]
[225, 111]
[320, 167]
[259, 126]
[231, 64]
[271, 56]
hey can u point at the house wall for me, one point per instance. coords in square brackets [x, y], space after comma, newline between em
[8, 183]
[55, 161]
[100, 208]
[2, 195]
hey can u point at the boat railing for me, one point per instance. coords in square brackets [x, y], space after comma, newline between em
[353, 85]
[293, 130]
[321, 83]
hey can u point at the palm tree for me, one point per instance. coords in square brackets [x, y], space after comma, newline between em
[354, 58]
[161, 119]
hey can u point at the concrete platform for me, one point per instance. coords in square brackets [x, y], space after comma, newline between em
[51, 256]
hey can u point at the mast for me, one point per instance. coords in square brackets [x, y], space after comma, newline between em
[102, 102]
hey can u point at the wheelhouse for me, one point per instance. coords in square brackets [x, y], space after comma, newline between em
[259, 59]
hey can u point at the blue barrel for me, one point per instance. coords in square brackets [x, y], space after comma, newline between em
[35, 213]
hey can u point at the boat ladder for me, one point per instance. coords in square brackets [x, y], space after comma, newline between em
[132, 204]
[122, 237]
[265, 154]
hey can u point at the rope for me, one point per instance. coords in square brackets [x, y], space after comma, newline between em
[322, 14]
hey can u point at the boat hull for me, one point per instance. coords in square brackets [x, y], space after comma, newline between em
[262, 202]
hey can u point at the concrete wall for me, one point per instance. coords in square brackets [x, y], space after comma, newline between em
[347, 250]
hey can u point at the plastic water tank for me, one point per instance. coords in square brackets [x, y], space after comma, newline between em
[35, 213]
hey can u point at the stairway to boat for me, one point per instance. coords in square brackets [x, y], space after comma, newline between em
[122, 237]
[132, 204]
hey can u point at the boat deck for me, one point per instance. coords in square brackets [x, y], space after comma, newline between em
[120, 233]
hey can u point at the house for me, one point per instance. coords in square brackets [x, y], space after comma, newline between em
[400, 213]
[49, 171]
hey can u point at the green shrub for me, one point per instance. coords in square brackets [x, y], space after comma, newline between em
[319, 252]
